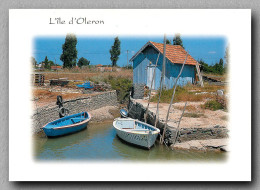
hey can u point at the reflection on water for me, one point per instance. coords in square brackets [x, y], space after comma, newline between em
[101, 143]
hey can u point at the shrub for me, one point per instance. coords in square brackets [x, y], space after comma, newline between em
[122, 87]
[213, 105]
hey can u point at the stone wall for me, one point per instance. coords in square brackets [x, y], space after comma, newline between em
[50, 113]
[137, 111]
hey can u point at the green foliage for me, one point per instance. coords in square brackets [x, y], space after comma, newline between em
[46, 63]
[177, 40]
[83, 62]
[166, 95]
[69, 51]
[128, 67]
[51, 63]
[115, 51]
[122, 87]
[213, 105]
[218, 68]
[168, 41]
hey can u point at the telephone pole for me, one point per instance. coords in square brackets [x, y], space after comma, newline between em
[127, 59]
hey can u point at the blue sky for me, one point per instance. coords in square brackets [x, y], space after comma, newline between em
[96, 49]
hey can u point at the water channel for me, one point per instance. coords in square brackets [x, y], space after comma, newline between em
[99, 142]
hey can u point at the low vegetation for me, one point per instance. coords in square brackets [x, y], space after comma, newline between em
[122, 87]
[193, 114]
[87, 73]
[192, 93]
[182, 94]
[212, 105]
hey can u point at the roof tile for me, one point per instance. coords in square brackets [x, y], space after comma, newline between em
[175, 53]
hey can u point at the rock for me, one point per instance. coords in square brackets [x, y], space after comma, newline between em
[220, 92]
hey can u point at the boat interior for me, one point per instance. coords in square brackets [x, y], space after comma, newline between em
[69, 120]
[133, 125]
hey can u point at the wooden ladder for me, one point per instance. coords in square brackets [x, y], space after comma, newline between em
[199, 75]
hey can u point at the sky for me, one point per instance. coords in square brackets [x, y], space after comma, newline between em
[96, 49]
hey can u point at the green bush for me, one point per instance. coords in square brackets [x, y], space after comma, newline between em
[213, 105]
[122, 87]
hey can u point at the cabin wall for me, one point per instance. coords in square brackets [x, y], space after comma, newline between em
[143, 60]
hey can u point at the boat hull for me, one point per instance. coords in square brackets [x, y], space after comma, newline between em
[53, 131]
[144, 139]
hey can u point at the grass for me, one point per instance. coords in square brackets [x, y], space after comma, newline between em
[213, 105]
[88, 74]
[181, 94]
[188, 108]
[193, 115]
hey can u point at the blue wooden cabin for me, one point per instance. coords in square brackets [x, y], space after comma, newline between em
[144, 62]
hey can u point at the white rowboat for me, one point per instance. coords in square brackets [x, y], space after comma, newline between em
[136, 132]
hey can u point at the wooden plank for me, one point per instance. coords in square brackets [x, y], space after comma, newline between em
[200, 77]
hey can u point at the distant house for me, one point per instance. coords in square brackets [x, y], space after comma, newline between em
[144, 62]
[103, 68]
[56, 68]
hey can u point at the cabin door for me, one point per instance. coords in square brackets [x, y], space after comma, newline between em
[150, 71]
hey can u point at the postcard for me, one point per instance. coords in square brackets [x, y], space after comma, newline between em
[129, 95]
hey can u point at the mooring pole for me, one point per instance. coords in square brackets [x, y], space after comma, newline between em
[175, 85]
[161, 82]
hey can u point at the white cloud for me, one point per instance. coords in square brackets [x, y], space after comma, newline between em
[212, 52]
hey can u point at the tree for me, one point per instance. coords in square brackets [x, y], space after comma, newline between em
[115, 51]
[168, 41]
[46, 63]
[221, 66]
[33, 62]
[226, 59]
[204, 66]
[69, 51]
[177, 40]
[83, 62]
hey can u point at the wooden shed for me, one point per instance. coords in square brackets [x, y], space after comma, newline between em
[144, 62]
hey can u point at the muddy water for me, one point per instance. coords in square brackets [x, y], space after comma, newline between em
[100, 142]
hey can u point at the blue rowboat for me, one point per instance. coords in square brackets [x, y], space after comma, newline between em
[136, 132]
[67, 125]
[86, 85]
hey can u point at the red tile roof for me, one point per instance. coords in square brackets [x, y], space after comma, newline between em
[56, 67]
[174, 53]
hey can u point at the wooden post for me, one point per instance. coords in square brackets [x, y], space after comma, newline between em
[177, 130]
[175, 85]
[161, 83]
[146, 111]
[199, 75]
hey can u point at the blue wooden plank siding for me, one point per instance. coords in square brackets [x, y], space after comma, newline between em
[148, 58]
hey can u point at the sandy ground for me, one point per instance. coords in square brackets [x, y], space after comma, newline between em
[203, 145]
[43, 96]
[107, 113]
[204, 117]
